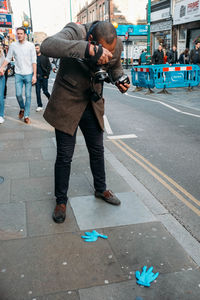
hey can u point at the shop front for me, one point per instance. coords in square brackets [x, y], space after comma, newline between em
[186, 20]
[134, 38]
[161, 25]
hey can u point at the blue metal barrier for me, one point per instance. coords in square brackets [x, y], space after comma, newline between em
[166, 76]
[143, 76]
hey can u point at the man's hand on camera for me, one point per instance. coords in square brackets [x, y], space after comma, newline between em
[123, 87]
[104, 58]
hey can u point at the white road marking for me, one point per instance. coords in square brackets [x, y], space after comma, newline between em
[107, 125]
[125, 136]
[162, 103]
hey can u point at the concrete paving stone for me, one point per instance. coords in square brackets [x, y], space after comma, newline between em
[41, 168]
[6, 145]
[68, 295]
[39, 133]
[79, 186]
[12, 136]
[148, 244]
[32, 189]
[53, 264]
[38, 143]
[14, 170]
[91, 212]
[40, 222]
[12, 221]
[5, 190]
[48, 153]
[20, 155]
[173, 286]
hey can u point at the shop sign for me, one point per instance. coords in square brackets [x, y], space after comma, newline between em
[186, 11]
[132, 30]
[3, 6]
[160, 14]
[161, 26]
[5, 21]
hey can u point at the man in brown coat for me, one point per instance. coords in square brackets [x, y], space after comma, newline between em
[76, 100]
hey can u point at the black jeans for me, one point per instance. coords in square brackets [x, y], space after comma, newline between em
[65, 148]
[42, 83]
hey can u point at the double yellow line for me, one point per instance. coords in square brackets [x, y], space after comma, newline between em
[156, 173]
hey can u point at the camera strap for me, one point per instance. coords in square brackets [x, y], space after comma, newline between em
[97, 53]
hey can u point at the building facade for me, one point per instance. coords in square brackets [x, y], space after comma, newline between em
[175, 22]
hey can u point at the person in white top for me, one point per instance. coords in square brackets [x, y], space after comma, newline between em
[25, 71]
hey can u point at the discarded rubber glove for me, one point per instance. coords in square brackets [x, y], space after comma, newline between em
[93, 236]
[146, 277]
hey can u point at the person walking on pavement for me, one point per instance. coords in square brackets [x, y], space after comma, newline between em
[195, 54]
[158, 56]
[172, 56]
[77, 100]
[2, 86]
[6, 71]
[43, 71]
[25, 70]
[184, 57]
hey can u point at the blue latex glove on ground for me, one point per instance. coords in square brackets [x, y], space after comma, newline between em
[146, 277]
[93, 236]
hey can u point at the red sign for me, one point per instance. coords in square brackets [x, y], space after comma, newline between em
[3, 6]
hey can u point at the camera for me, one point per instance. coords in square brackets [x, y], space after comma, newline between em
[123, 79]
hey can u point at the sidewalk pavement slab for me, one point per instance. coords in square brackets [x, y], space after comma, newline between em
[96, 213]
[40, 222]
[172, 286]
[55, 263]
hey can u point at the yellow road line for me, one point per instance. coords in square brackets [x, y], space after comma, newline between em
[180, 188]
[180, 197]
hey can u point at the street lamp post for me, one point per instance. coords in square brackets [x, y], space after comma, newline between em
[29, 2]
[148, 56]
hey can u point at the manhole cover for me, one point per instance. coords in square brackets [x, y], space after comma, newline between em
[1, 179]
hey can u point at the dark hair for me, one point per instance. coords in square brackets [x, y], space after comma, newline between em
[37, 45]
[186, 51]
[103, 30]
[21, 28]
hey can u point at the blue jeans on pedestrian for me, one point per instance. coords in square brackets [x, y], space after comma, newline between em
[26, 80]
[2, 87]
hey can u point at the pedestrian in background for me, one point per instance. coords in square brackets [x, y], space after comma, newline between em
[77, 100]
[158, 56]
[6, 71]
[43, 71]
[2, 85]
[195, 54]
[165, 56]
[142, 59]
[25, 70]
[172, 56]
[184, 57]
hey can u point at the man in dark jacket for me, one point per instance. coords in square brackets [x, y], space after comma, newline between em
[195, 54]
[158, 56]
[77, 100]
[43, 71]
[172, 56]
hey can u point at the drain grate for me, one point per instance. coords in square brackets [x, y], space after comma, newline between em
[1, 179]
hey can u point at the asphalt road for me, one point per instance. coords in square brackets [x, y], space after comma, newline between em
[165, 154]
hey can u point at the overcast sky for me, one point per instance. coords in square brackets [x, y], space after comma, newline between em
[48, 16]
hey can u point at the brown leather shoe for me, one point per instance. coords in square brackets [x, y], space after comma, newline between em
[21, 114]
[59, 213]
[27, 120]
[108, 196]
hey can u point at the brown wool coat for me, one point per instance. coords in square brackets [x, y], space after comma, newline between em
[70, 94]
